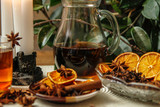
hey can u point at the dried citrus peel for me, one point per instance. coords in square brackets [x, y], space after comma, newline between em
[47, 82]
[149, 64]
[129, 58]
[104, 68]
[57, 78]
[157, 77]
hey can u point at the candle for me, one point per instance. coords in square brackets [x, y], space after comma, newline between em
[23, 24]
[6, 17]
[17, 19]
[27, 26]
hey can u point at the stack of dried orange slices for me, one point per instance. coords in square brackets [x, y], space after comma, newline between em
[148, 64]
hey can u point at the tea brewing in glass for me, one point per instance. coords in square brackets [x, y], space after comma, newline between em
[80, 42]
[6, 64]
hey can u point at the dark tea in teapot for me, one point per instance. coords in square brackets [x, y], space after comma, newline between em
[82, 57]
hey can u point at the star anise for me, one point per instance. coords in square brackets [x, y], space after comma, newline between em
[59, 91]
[118, 66]
[6, 100]
[6, 97]
[14, 38]
[64, 72]
[25, 100]
[12, 96]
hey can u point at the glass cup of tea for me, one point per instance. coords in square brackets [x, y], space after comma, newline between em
[6, 64]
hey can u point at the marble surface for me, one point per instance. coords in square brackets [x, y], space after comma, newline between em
[104, 98]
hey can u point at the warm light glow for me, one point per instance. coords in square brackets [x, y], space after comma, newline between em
[23, 23]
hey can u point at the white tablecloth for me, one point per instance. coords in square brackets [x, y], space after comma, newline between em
[103, 99]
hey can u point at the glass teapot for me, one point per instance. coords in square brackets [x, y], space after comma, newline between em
[80, 42]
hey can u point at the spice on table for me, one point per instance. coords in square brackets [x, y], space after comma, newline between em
[64, 72]
[7, 97]
[13, 96]
[130, 68]
[25, 100]
[118, 66]
[57, 90]
[128, 76]
[43, 88]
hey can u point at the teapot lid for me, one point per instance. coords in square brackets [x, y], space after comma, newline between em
[81, 3]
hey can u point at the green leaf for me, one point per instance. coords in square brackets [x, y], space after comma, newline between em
[150, 10]
[158, 1]
[123, 47]
[115, 6]
[37, 7]
[129, 21]
[37, 2]
[36, 31]
[128, 34]
[141, 38]
[122, 22]
[55, 67]
[141, 21]
[50, 41]
[47, 7]
[38, 27]
[57, 13]
[106, 34]
[44, 1]
[130, 3]
[54, 2]
[45, 34]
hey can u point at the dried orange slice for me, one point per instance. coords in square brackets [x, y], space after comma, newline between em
[149, 64]
[47, 82]
[104, 68]
[157, 77]
[131, 59]
[60, 79]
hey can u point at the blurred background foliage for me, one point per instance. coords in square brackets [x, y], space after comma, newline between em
[138, 20]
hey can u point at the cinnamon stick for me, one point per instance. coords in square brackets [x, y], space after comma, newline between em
[85, 86]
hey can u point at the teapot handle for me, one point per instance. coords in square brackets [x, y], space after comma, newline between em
[115, 30]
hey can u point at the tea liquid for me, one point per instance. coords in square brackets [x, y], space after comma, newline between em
[82, 57]
[6, 67]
